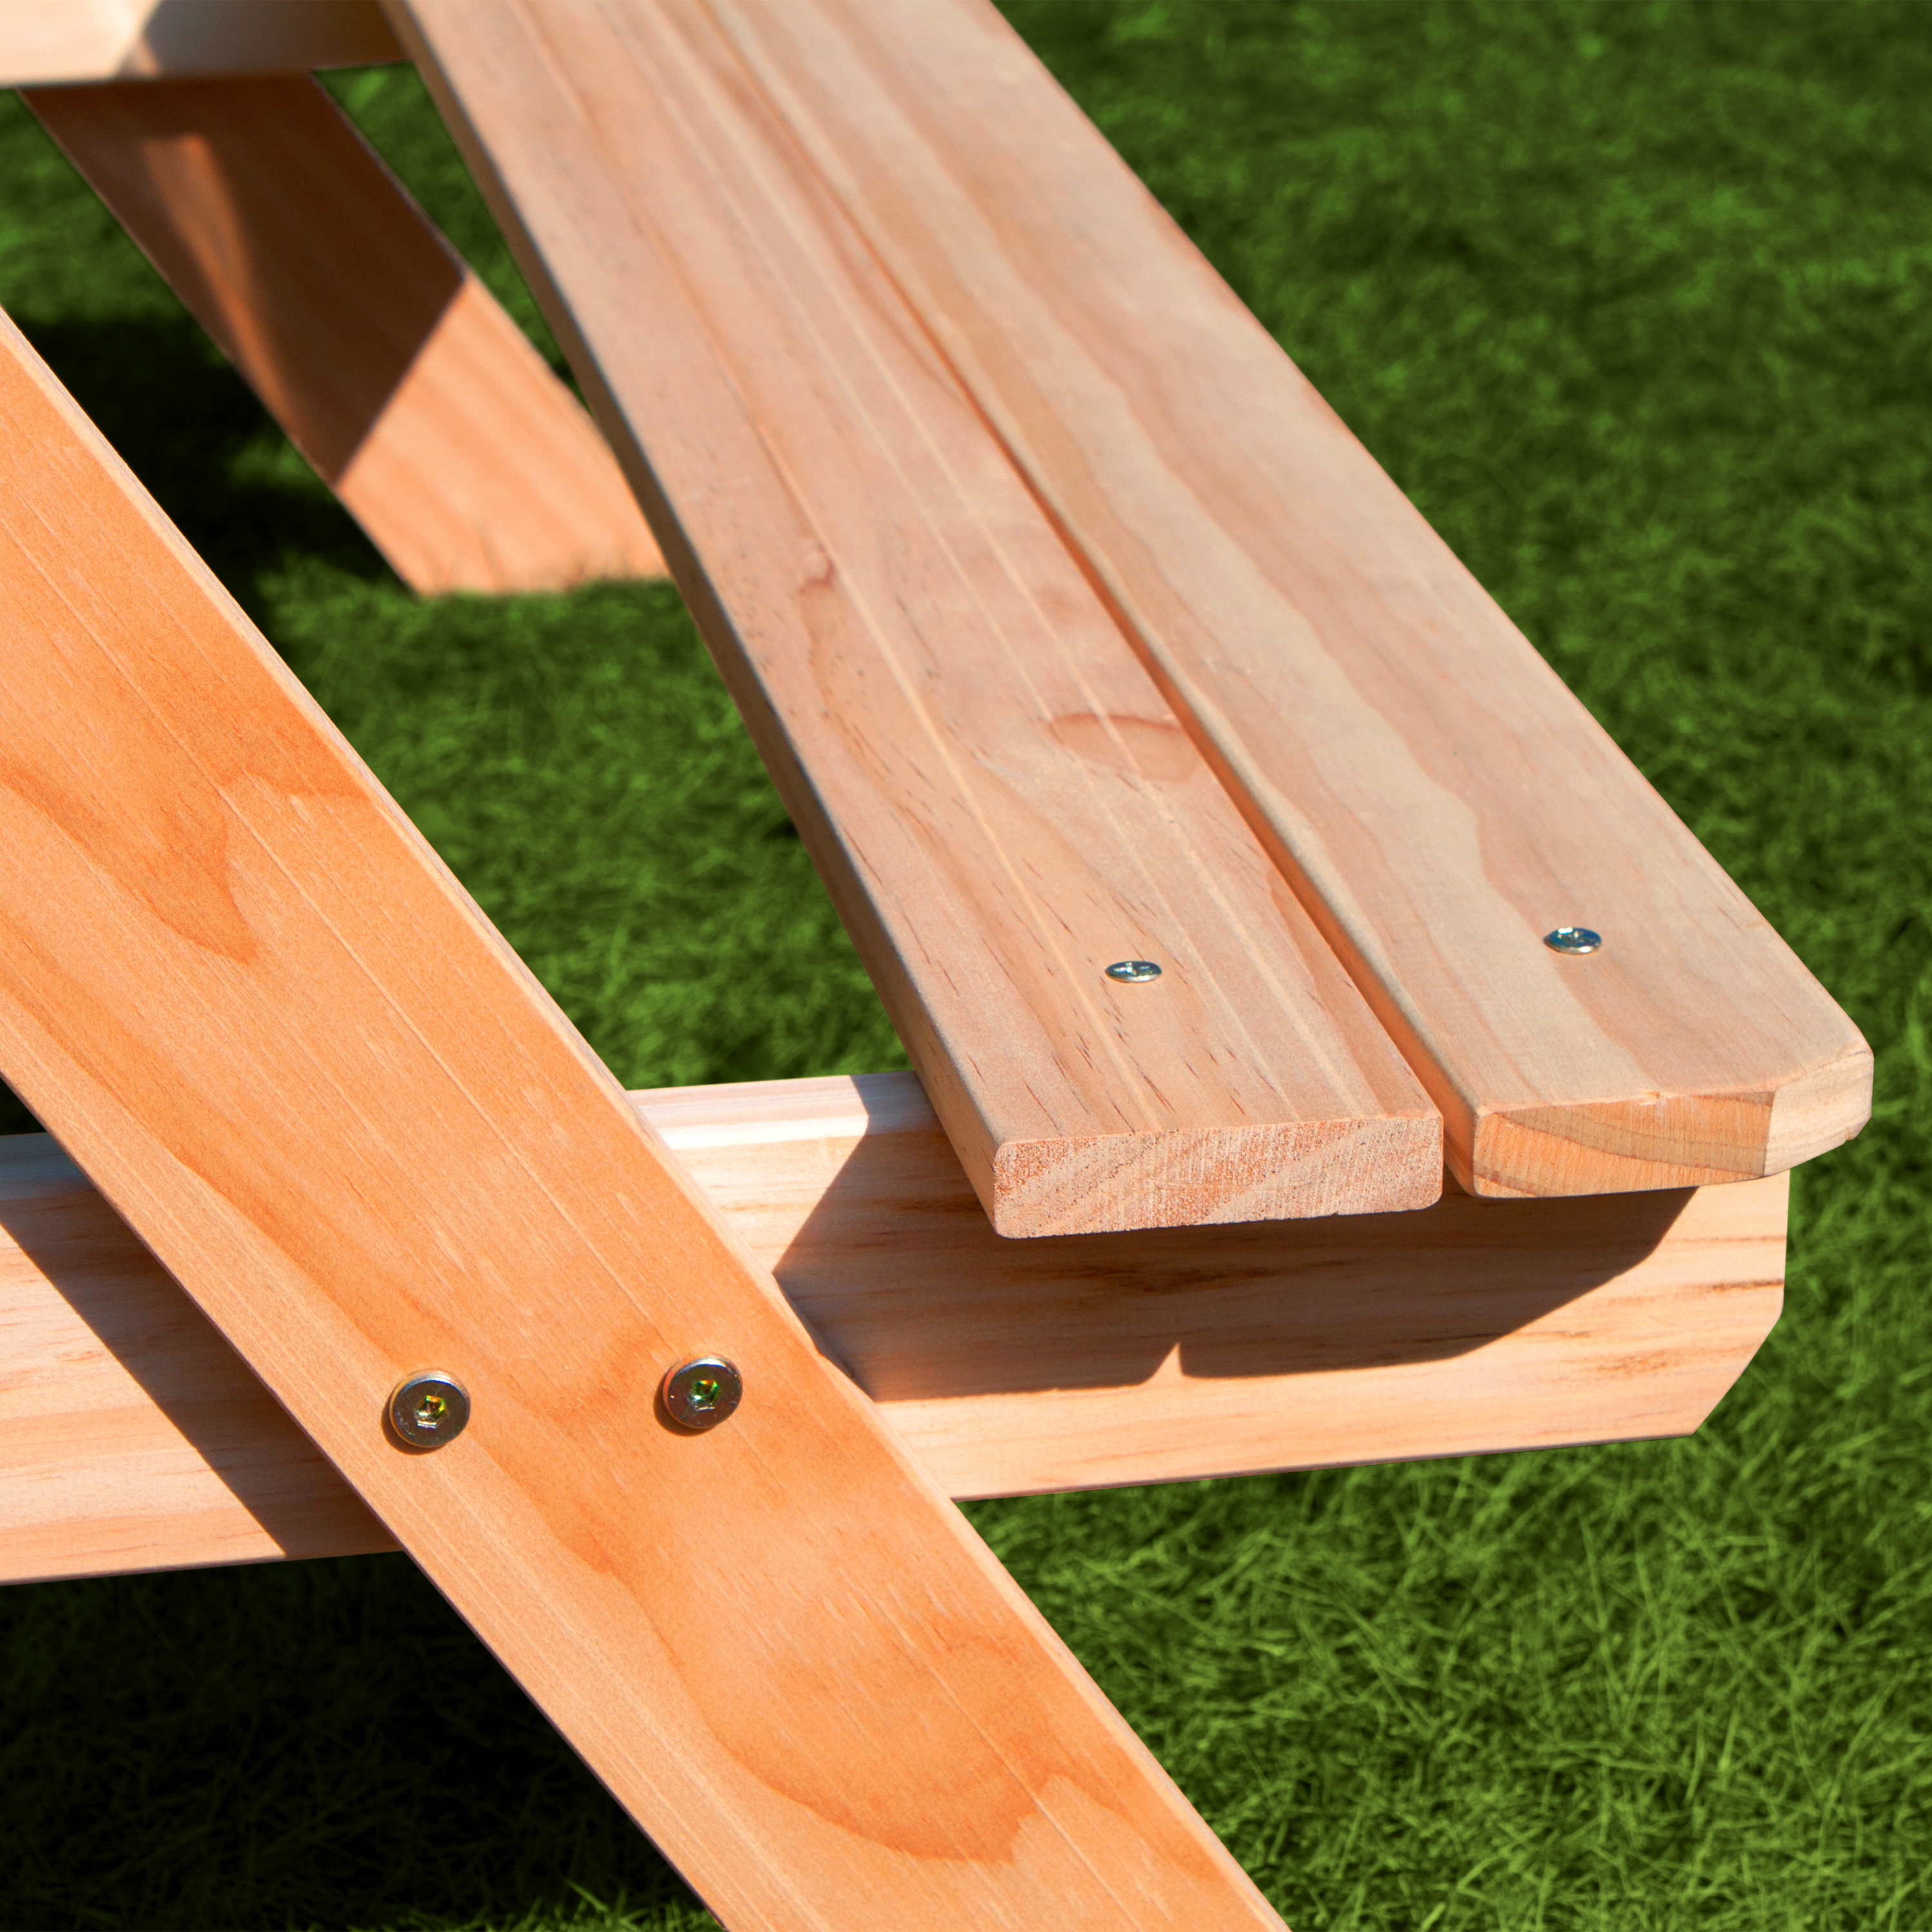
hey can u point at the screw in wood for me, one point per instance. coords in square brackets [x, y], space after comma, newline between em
[1576, 939]
[428, 1409]
[701, 1393]
[1133, 972]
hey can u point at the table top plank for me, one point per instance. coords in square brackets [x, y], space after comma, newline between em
[1440, 799]
[1000, 799]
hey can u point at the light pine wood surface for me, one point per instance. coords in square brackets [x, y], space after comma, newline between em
[51, 41]
[1439, 799]
[285, 1045]
[132, 1437]
[393, 369]
[998, 797]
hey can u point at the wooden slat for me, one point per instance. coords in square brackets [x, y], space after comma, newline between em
[133, 1437]
[1440, 799]
[287, 1047]
[45, 42]
[997, 796]
[393, 369]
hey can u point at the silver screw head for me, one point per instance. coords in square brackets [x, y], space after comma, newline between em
[1576, 939]
[701, 1394]
[1133, 972]
[428, 1409]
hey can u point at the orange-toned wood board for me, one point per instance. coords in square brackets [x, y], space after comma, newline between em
[1439, 798]
[51, 41]
[132, 1437]
[246, 997]
[393, 369]
[1001, 801]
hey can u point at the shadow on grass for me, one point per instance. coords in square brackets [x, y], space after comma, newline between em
[318, 1745]
[193, 431]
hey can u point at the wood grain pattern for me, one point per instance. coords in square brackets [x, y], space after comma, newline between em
[393, 369]
[998, 798]
[44, 42]
[289, 1049]
[1440, 799]
[132, 1437]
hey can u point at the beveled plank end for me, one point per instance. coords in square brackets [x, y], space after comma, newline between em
[1654, 1141]
[1195, 1177]
[1820, 1111]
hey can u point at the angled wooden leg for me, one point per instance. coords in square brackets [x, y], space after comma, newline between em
[394, 371]
[286, 1045]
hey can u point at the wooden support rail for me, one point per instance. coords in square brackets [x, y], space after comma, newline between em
[52, 42]
[286, 1045]
[998, 797]
[132, 1437]
[393, 369]
[1439, 799]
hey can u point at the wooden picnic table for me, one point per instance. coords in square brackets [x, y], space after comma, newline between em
[1329, 1048]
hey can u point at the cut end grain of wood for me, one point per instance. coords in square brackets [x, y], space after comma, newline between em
[1112, 1183]
[1674, 1141]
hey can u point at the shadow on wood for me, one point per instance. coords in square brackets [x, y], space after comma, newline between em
[292, 1502]
[907, 1285]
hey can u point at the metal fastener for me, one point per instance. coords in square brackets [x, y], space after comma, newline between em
[429, 1409]
[1133, 972]
[1572, 939]
[701, 1393]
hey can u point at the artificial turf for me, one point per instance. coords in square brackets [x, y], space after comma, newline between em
[1636, 300]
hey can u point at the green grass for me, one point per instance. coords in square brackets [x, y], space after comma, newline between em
[1635, 300]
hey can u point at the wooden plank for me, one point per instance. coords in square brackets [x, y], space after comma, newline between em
[999, 799]
[285, 1044]
[48, 42]
[1439, 799]
[132, 1437]
[393, 369]
[131, 1429]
